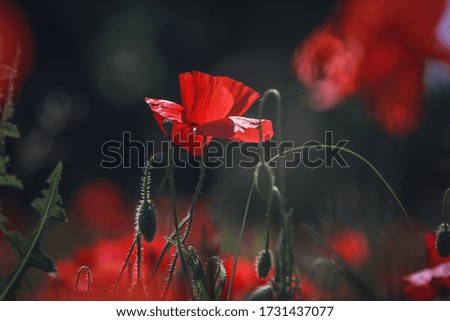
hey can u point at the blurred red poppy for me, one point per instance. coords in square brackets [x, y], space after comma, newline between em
[429, 284]
[101, 207]
[432, 282]
[211, 107]
[371, 47]
[15, 35]
[351, 245]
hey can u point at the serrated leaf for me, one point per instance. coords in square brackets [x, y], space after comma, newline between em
[49, 205]
[10, 180]
[7, 179]
[36, 258]
[28, 250]
[10, 130]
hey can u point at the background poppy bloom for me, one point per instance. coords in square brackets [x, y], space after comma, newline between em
[211, 107]
[433, 281]
[371, 47]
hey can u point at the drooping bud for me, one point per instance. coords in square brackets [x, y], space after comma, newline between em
[168, 126]
[146, 220]
[443, 240]
[264, 180]
[264, 263]
[263, 293]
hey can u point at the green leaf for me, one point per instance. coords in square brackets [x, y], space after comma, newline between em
[10, 130]
[36, 258]
[7, 179]
[49, 205]
[28, 250]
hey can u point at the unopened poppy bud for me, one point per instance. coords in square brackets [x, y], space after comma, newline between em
[146, 220]
[263, 293]
[265, 180]
[264, 263]
[443, 240]
[168, 126]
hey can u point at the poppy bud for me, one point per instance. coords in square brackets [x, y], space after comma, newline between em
[264, 263]
[168, 126]
[263, 293]
[443, 240]
[146, 220]
[265, 180]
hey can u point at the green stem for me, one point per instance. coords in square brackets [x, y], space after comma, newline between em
[187, 219]
[127, 259]
[88, 276]
[195, 199]
[39, 230]
[190, 217]
[241, 234]
[167, 245]
[139, 258]
[360, 158]
[444, 203]
[174, 209]
[268, 219]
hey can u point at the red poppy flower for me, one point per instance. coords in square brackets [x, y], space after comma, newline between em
[371, 47]
[211, 107]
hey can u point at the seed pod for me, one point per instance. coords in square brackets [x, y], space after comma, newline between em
[263, 263]
[146, 220]
[263, 293]
[265, 180]
[443, 240]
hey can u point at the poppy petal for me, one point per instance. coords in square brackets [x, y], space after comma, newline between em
[203, 98]
[246, 129]
[164, 109]
[243, 95]
[207, 98]
[237, 128]
[183, 136]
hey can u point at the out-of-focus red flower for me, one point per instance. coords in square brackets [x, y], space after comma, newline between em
[15, 34]
[371, 47]
[106, 256]
[432, 282]
[211, 107]
[328, 65]
[105, 259]
[351, 245]
[433, 257]
[101, 207]
[429, 284]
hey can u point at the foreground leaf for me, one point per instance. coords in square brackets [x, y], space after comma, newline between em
[7, 179]
[28, 250]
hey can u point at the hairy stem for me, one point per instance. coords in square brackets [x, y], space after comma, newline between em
[238, 248]
[369, 164]
[444, 203]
